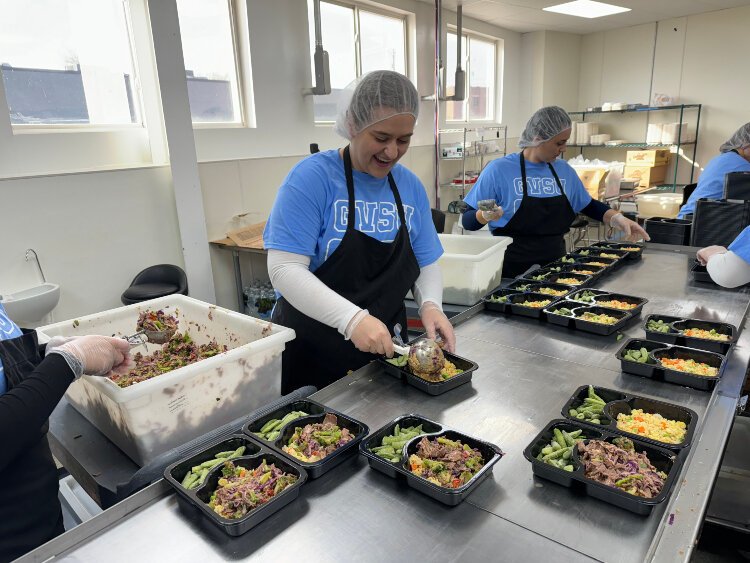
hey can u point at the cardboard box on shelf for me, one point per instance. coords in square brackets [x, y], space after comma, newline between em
[650, 157]
[646, 175]
[249, 237]
[593, 180]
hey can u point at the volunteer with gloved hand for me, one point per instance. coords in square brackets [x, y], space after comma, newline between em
[538, 196]
[734, 157]
[33, 379]
[350, 233]
[728, 267]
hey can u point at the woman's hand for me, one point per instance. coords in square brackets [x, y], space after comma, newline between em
[704, 254]
[632, 230]
[93, 355]
[436, 323]
[371, 335]
[485, 217]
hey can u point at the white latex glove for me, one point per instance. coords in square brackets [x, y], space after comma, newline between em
[94, 355]
[633, 231]
[371, 335]
[493, 215]
[56, 342]
[437, 324]
[704, 254]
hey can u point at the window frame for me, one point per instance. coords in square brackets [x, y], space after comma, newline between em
[357, 8]
[496, 103]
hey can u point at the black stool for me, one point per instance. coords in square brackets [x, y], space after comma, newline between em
[156, 281]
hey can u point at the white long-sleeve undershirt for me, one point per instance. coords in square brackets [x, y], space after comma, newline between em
[728, 269]
[291, 276]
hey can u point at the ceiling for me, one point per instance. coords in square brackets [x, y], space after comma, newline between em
[527, 15]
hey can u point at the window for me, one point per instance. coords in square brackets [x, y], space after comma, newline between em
[479, 64]
[358, 41]
[68, 62]
[207, 36]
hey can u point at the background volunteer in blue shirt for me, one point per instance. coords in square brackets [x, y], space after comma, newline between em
[734, 157]
[349, 234]
[33, 379]
[728, 267]
[533, 196]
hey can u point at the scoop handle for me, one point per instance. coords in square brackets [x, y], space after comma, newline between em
[403, 350]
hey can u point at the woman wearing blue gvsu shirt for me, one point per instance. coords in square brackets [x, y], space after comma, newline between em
[728, 267]
[349, 234]
[734, 157]
[533, 196]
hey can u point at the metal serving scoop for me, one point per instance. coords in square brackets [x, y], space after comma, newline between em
[153, 336]
[425, 356]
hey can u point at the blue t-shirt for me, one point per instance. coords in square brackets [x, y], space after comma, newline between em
[711, 182]
[501, 181]
[8, 330]
[310, 214]
[741, 245]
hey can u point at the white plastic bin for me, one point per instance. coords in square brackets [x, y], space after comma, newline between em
[153, 416]
[658, 205]
[471, 266]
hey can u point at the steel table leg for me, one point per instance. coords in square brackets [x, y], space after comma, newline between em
[238, 281]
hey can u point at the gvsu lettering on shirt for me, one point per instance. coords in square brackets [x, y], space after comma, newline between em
[372, 217]
[537, 187]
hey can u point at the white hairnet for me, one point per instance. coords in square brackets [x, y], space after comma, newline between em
[361, 100]
[546, 123]
[741, 138]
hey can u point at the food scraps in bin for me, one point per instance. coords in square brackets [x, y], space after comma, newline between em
[600, 318]
[391, 447]
[569, 281]
[240, 490]
[641, 356]
[179, 352]
[156, 321]
[618, 465]
[551, 291]
[198, 473]
[652, 425]
[585, 296]
[617, 304]
[315, 441]
[658, 326]
[559, 451]
[448, 370]
[690, 366]
[535, 304]
[271, 429]
[444, 462]
[707, 334]
[591, 410]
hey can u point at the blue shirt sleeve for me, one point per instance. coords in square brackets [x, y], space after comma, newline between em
[8, 330]
[741, 245]
[711, 181]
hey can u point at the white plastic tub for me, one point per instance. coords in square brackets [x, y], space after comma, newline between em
[658, 205]
[471, 266]
[153, 416]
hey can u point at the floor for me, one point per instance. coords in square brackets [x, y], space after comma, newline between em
[721, 545]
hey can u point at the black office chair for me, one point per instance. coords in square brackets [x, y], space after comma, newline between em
[156, 281]
[438, 218]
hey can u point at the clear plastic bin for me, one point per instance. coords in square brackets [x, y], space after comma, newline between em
[659, 205]
[471, 266]
[153, 416]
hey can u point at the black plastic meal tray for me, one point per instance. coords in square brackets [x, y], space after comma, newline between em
[659, 373]
[700, 273]
[561, 320]
[595, 251]
[197, 499]
[678, 324]
[305, 405]
[619, 402]
[467, 368]
[610, 262]
[317, 468]
[517, 308]
[600, 328]
[632, 254]
[497, 306]
[584, 279]
[490, 452]
[598, 271]
[607, 296]
[664, 460]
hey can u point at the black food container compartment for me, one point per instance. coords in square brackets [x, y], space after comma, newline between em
[564, 261]
[557, 319]
[700, 273]
[704, 383]
[609, 262]
[600, 328]
[522, 286]
[589, 291]
[639, 302]
[556, 278]
[538, 275]
[304, 405]
[580, 269]
[648, 369]
[197, 499]
[499, 306]
[597, 251]
[720, 347]
[517, 308]
[632, 254]
[490, 453]
[665, 230]
[562, 289]
[577, 399]
[467, 368]
[318, 468]
[662, 459]
[668, 337]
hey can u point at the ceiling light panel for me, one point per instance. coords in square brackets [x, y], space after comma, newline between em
[586, 9]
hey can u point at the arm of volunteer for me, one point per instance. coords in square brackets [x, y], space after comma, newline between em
[429, 286]
[728, 269]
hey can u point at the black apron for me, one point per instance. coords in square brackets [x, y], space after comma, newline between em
[537, 227]
[29, 507]
[373, 275]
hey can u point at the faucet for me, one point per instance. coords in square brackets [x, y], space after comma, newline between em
[32, 252]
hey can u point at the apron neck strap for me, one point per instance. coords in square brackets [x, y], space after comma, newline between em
[523, 175]
[350, 191]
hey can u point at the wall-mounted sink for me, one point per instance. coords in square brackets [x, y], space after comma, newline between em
[32, 304]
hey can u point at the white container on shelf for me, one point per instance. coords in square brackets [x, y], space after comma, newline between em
[658, 205]
[153, 416]
[471, 266]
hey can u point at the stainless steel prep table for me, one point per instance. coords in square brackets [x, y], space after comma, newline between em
[527, 371]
